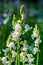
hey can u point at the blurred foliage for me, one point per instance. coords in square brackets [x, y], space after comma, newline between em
[5, 29]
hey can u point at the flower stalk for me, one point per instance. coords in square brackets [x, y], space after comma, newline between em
[18, 54]
[37, 58]
[23, 63]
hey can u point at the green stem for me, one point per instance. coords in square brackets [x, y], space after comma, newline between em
[16, 60]
[37, 59]
[24, 58]
[18, 54]
[23, 63]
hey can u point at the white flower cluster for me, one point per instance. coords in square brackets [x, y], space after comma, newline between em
[25, 56]
[17, 32]
[10, 51]
[16, 47]
[37, 41]
[5, 61]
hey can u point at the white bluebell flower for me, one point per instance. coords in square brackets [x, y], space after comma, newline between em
[30, 58]
[11, 45]
[22, 57]
[25, 48]
[13, 54]
[37, 41]
[4, 59]
[35, 33]
[18, 27]
[8, 63]
[5, 51]
[27, 28]
[15, 35]
[35, 50]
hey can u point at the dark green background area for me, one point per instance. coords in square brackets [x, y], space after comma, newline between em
[6, 29]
